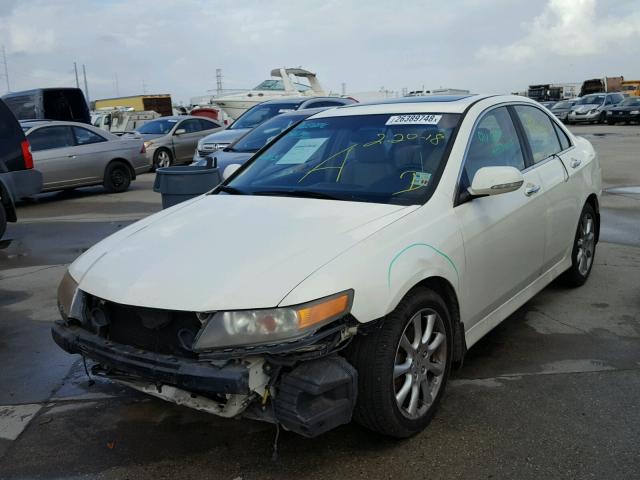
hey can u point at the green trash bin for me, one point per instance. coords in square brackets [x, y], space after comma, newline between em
[180, 183]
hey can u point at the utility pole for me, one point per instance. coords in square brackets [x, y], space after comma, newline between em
[219, 81]
[144, 87]
[86, 88]
[6, 70]
[344, 89]
[75, 69]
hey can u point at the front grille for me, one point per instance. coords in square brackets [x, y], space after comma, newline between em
[161, 331]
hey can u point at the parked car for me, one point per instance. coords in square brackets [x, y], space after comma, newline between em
[626, 111]
[261, 113]
[591, 108]
[66, 104]
[548, 104]
[172, 140]
[246, 146]
[561, 109]
[356, 258]
[18, 179]
[71, 155]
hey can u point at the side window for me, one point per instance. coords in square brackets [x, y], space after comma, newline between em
[47, 138]
[191, 125]
[540, 132]
[86, 137]
[564, 140]
[494, 143]
[207, 125]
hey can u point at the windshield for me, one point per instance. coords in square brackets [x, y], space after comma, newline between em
[261, 135]
[388, 158]
[159, 127]
[630, 102]
[591, 100]
[260, 113]
[279, 85]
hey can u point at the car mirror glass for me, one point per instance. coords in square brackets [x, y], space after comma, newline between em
[180, 131]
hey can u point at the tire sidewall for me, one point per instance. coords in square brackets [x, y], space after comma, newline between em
[108, 182]
[419, 299]
[574, 252]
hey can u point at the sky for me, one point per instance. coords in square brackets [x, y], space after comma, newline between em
[175, 46]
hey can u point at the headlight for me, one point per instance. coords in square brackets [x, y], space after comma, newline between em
[635, 112]
[595, 110]
[66, 291]
[609, 113]
[148, 143]
[251, 327]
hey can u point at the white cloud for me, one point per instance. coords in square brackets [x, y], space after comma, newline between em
[569, 28]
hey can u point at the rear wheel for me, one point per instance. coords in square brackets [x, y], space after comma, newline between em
[584, 249]
[403, 367]
[117, 177]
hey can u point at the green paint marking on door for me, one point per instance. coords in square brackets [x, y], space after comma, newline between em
[439, 252]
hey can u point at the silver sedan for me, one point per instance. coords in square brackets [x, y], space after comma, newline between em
[73, 155]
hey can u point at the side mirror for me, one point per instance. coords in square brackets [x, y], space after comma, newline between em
[230, 170]
[495, 180]
[180, 131]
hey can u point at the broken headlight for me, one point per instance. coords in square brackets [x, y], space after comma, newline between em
[251, 327]
[66, 292]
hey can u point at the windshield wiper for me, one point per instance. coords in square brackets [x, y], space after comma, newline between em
[296, 193]
[231, 190]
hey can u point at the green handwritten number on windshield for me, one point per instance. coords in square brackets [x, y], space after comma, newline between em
[321, 165]
[381, 137]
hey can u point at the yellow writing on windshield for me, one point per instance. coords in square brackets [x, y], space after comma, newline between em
[321, 165]
[418, 180]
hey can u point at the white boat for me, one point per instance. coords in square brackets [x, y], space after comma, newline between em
[236, 104]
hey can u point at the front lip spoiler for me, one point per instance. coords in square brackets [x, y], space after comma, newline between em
[184, 373]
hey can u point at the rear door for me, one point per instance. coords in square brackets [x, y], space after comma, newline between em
[503, 234]
[552, 155]
[53, 154]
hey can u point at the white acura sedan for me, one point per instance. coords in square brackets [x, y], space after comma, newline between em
[346, 268]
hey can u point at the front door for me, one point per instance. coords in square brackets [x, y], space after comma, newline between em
[503, 234]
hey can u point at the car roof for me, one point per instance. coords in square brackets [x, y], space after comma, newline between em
[39, 123]
[299, 100]
[425, 104]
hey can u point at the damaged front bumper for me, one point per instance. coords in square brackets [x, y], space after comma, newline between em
[305, 394]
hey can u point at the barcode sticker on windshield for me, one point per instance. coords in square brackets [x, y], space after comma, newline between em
[415, 119]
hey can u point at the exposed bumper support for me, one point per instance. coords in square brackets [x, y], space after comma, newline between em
[153, 368]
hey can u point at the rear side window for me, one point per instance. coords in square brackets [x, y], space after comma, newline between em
[86, 137]
[47, 138]
[190, 126]
[494, 143]
[324, 103]
[564, 140]
[207, 125]
[540, 132]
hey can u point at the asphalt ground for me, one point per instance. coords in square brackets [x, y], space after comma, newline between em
[552, 392]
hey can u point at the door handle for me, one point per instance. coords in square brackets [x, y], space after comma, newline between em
[575, 162]
[531, 189]
[71, 156]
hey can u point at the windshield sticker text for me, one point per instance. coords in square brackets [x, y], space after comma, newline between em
[415, 119]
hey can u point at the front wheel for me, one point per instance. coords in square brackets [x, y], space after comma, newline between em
[584, 249]
[403, 366]
[162, 158]
[117, 177]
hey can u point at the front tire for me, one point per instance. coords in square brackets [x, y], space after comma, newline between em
[584, 249]
[3, 220]
[117, 177]
[162, 158]
[403, 367]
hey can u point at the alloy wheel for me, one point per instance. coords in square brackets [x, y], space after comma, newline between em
[164, 160]
[420, 363]
[586, 243]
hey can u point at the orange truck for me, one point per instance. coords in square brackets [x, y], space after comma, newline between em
[632, 87]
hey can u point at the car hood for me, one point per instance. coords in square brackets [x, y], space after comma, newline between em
[226, 251]
[225, 136]
[585, 108]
